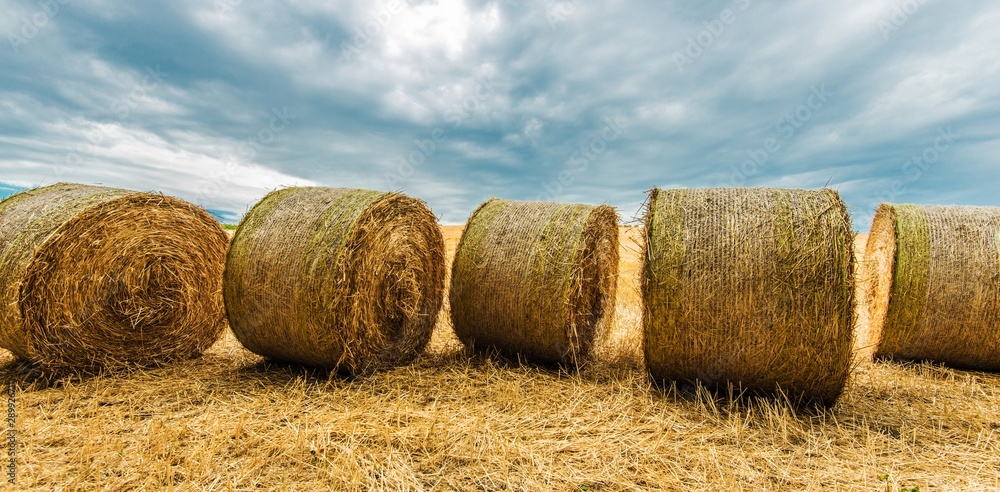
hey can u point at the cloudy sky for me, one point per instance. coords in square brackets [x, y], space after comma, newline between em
[456, 101]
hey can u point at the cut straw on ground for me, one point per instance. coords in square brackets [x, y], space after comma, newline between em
[231, 421]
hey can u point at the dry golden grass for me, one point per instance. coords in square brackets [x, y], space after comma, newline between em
[457, 422]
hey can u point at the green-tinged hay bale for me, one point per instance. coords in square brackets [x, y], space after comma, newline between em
[750, 289]
[98, 278]
[932, 278]
[536, 279]
[350, 280]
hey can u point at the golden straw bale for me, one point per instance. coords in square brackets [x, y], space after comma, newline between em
[344, 279]
[932, 277]
[751, 289]
[536, 279]
[100, 278]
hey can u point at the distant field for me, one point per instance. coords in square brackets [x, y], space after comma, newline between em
[452, 421]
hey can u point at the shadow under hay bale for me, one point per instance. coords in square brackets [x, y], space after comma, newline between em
[348, 280]
[536, 279]
[933, 281]
[98, 279]
[751, 289]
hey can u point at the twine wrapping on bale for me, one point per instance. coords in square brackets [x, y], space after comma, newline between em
[100, 278]
[536, 279]
[348, 280]
[932, 277]
[750, 289]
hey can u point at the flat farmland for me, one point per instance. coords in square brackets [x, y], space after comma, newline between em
[459, 421]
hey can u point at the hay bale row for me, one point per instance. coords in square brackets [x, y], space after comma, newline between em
[536, 279]
[98, 278]
[350, 280]
[751, 289]
[932, 276]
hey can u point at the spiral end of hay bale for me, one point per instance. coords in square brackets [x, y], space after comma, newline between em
[876, 277]
[750, 288]
[101, 279]
[932, 284]
[536, 279]
[350, 280]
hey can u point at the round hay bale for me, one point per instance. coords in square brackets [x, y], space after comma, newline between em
[348, 280]
[536, 279]
[100, 278]
[750, 289]
[932, 277]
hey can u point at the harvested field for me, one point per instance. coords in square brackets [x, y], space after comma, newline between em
[452, 421]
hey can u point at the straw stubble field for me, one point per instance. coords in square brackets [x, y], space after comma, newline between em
[451, 421]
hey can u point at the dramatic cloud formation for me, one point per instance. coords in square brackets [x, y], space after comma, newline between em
[454, 101]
